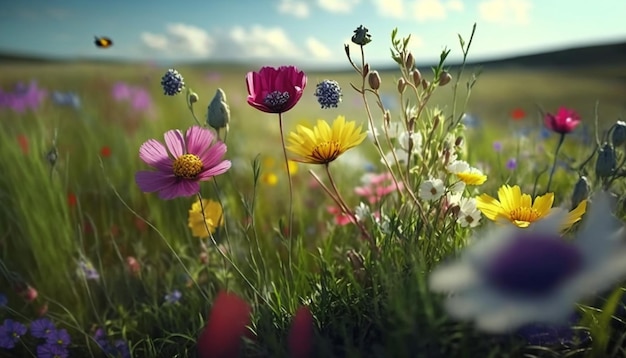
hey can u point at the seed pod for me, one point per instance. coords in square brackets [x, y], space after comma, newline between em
[618, 137]
[409, 61]
[417, 77]
[374, 80]
[401, 85]
[444, 78]
[606, 162]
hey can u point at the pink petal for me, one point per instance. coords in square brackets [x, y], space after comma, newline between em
[301, 334]
[151, 181]
[218, 169]
[199, 140]
[153, 153]
[250, 84]
[221, 337]
[182, 187]
[213, 155]
[175, 143]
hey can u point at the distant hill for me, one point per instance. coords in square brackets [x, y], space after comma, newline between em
[588, 56]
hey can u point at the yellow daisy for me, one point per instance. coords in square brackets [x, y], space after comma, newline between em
[212, 217]
[323, 144]
[467, 174]
[520, 209]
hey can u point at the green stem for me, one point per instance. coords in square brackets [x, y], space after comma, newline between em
[556, 153]
[282, 139]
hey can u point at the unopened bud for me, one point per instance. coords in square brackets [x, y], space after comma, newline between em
[458, 141]
[387, 118]
[446, 156]
[401, 85]
[374, 80]
[218, 113]
[606, 162]
[581, 191]
[619, 134]
[417, 77]
[425, 84]
[366, 69]
[193, 97]
[444, 78]
[346, 48]
[409, 61]
[435, 122]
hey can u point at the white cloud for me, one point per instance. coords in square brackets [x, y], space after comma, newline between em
[512, 12]
[261, 42]
[338, 6]
[420, 10]
[181, 39]
[294, 7]
[318, 49]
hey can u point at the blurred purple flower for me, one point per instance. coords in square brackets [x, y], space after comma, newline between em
[173, 296]
[41, 328]
[88, 271]
[138, 97]
[497, 146]
[69, 99]
[51, 351]
[59, 337]
[511, 164]
[24, 97]
[10, 333]
[213, 76]
[121, 91]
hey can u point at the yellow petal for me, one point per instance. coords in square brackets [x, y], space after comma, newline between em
[543, 204]
[489, 206]
[575, 215]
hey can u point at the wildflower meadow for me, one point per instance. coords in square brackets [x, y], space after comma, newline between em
[276, 212]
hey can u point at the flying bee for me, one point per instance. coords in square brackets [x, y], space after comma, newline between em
[103, 42]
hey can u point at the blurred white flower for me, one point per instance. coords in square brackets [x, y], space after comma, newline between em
[403, 141]
[431, 189]
[513, 276]
[469, 215]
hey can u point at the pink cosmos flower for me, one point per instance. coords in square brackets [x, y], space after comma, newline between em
[564, 121]
[194, 158]
[377, 186]
[275, 90]
[341, 218]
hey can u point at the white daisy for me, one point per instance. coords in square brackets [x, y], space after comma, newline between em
[431, 189]
[469, 215]
[513, 277]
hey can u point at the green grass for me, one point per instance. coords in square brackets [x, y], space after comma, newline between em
[381, 310]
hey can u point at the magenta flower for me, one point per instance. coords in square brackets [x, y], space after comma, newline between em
[564, 121]
[275, 90]
[194, 158]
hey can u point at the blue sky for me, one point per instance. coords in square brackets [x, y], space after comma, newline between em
[302, 32]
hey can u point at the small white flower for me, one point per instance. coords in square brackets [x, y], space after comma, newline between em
[403, 141]
[371, 133]
[458, 166]
[511, 276]
[468, 215]
[362, 211]
[400, 154]
[395, 128]
[431, 189]
[457, 188]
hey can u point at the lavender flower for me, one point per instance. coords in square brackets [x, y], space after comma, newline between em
[511, 164]
[24, 97]
[497, 146]
[173, 296]
[87, 270]
[59, 337]
[68, 99]
[10, 333]
[172, 82]
[41, 328]
[51, 351]
[328, 93]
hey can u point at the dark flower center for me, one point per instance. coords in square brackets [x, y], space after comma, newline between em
[187, 166]
[276, 100]
[533, 266]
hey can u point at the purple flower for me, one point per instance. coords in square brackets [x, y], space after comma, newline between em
[121, 91]
[172, 82]
[41, 328]
[10, 333]
[497, 146]
[59, 337]
[51, 351]
[122, 348]
[511, 164]
[173, 296]
[69, 99]
[24, 97]
[196, 157]
[88, 271]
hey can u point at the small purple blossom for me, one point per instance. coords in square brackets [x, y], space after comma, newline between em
[172, 82]
[511, 164]
[328, 93]
[69, 99]
[88, 271]
[497, 146]
[41, 328]
[24, 97]
[10, 333]
[51, 351]
[122, 348]
[59, 337]
[173, 296]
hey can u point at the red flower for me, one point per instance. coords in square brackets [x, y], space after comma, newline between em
[105, 151]
[71, 200]
[301, 334]
[275, 90]
[564, 121]
[221, 337]
[22, 140]
[518, 114]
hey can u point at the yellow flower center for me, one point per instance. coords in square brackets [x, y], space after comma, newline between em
[187, 166]
[326, 152]
[524, 214]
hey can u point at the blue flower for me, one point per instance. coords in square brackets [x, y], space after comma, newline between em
[69, 99]
[51, 351]
[10, 333]
[328, 93]
[173, 296]
[41, 328]
[172, 82]
[59, 337]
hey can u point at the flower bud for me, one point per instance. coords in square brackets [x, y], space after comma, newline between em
[425, 84]
[606, 162]
[581, 191]
[458, 141]
[387, 118]
[193, 97]
[409, 61]
[444, 78]
[366, 69]
[401, 85]
[218, 114]
[417, 77]
[361, 36]
[618, 136]
[374, 80]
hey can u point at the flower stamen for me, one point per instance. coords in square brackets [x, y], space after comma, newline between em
[187, 166]
[276, 99]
